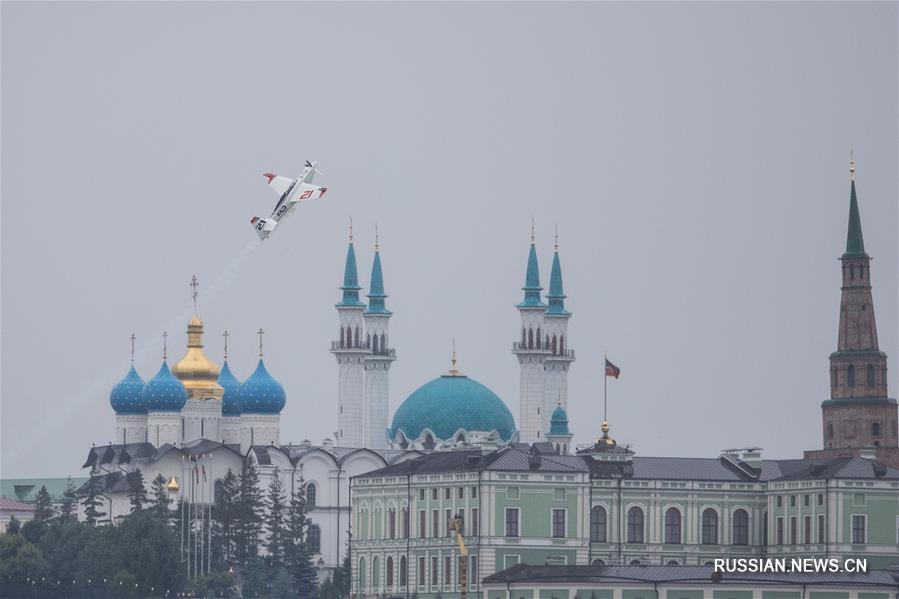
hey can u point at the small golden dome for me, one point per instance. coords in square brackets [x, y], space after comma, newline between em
[173, 485]
[196, 371]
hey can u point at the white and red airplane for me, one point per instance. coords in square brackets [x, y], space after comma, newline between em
[291, 192]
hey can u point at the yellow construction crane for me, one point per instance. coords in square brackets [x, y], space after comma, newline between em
[456, 525]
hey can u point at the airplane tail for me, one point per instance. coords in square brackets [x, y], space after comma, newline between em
[310, 172]
[264, 227]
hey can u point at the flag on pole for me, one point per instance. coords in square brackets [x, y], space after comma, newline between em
[612, 370]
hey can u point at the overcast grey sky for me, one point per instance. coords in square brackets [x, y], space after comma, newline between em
[694, 157]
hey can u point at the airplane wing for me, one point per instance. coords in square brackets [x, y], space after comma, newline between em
[307, 191]
[278, 183]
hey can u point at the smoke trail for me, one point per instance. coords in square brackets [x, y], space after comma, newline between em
[148, 352]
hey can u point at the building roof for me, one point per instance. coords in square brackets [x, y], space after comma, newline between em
[556, 295]
[376, 295]
[450, 403]
[125, 397]
[25, 489]
[680, 574]
[230, 383]
[855, 243]
[164, 392]
[532, 286]
[11, 505]
[350, 285]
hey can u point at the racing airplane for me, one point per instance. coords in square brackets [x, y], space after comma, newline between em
[291, 192]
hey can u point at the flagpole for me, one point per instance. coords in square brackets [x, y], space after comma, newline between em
[605, 387]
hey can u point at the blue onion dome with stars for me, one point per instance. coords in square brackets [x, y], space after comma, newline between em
[229, 382]
[125, 397]
[164, 392]
[261, 393]
[449, 403]
[558, 422]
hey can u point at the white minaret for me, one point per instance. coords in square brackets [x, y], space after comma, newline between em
[560, 356]
[350, 351]
[378, 361]
[531, 352]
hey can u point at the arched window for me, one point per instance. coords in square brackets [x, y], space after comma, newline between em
[852, 271]
[598, 524]
[311, 492]
[362, 573]
[539, 336]
[524, 337]
[363, 524]
[403, 571]
[404, 522]
[546, 344]
[672, 526]
[635, 525]
[384, 342]
[342, 342]
[391, 523]
[597, 562]
[850, 376]
[709, 527]
[875, 429]
[375, 573]
[672, 562]
[373, 345]
[530, 338]
[389, 576]
[634, 562]
[349, 337]
[358, 337]
[741, 527]
[554, 345]
[870, 375]
[561, 344]
[834, 377]
[429, 442]
[314, 538]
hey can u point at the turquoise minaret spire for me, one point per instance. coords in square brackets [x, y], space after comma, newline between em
[350, 285]
[532, 286]
[556, 295]
[376, 295]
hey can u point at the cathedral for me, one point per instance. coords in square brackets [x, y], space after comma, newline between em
[196, 417]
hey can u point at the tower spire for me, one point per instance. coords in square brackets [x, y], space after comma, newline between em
[376, 295]
[532, 286]
[453, 371]
[855, 243]
[350, 285]
[556, 294]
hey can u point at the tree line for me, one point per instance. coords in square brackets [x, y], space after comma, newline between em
[257, 544]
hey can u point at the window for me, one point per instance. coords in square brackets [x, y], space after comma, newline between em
[875, 429]
[389, 575]
[635, 525]
[474, 526]
[792, 501]
[422, 573]
[447, 571]
[404, 518]
[672, 526]
[830, 430]
[421, 494]
[404, 575]
[740, 527]
[850, 375]
[314, 538]
[793, 530]
[434, 493]
[821, 528]
[558, 524]
[511, 521]
[869, 375]
[709, 527]
[361, 572]
[391, 523]
[449, 518]
[311, 492]
[858, 529]
[375, 572]
[779, 501]
[805, 499]
[460, 493]
[597, 562]
[474, 492]
[473, 570]
[434, 572]
[820, 498]
[807, 530]
[780, 531]
[598, 524]
[422, 524]
[447, 493]
[435, 523]
[765, 529]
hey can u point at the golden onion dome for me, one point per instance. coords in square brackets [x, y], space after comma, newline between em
[196, 371]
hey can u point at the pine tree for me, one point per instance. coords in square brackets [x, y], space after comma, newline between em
[160, 496]
[68, 503]
[92, 501]
[248, 523]
[274, 522]
[137, 492]
[13, 527]
[298, 557]
[225, 516]
[43, 507]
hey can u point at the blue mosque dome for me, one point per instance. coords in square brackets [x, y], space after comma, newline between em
[261, 393]
[229, 382]
[558, 422]
[125, 397]
[450, 403]
[164, 392]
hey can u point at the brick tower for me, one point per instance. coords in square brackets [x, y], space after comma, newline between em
[859, 413]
